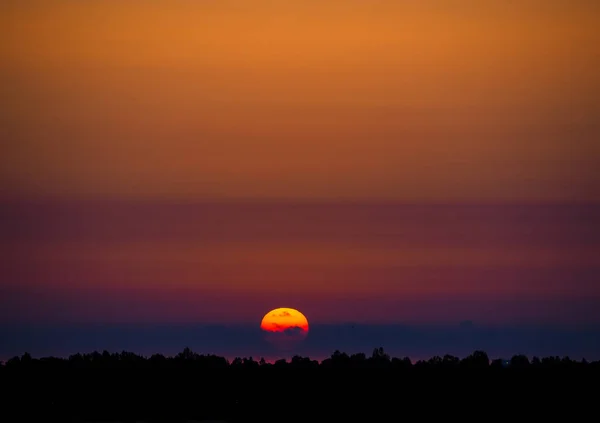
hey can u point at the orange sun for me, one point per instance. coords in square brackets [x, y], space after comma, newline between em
[284, 327]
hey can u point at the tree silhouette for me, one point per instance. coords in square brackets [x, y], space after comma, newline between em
[120, 386]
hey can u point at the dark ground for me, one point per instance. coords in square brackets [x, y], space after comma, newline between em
[126, 387]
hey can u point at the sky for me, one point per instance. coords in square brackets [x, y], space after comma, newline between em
[375, 163]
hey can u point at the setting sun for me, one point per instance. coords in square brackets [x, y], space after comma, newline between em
[284, 328]
[284, 320]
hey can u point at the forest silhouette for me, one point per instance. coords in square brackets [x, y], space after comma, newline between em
[128, 387]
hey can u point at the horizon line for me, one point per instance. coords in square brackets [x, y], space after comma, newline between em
[458, 324]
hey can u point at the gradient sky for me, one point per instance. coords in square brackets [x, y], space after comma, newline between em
[426, 101]
[377, 162]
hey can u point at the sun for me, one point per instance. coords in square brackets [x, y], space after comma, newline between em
[284, 327]
[284, 319]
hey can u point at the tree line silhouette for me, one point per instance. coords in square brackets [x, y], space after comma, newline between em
[126, 386]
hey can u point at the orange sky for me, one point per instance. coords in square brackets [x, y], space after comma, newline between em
[484, 101]
[177, 103]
